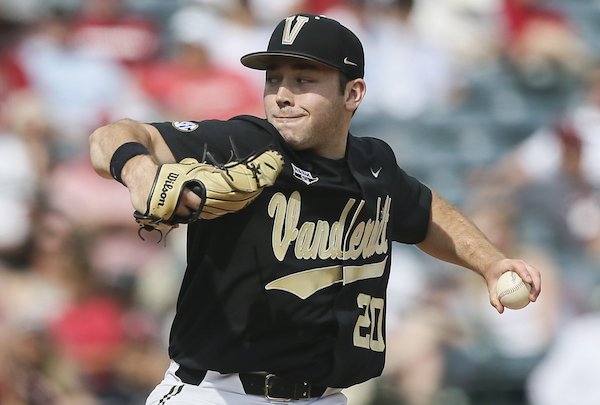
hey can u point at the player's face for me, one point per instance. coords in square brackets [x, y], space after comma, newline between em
[303, 100]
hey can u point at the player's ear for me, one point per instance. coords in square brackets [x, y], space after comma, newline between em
[354, 93]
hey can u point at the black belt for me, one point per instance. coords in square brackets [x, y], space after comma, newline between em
[276, 388]
[270, 386]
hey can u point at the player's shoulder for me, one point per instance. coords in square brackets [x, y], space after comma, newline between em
[240, 135]
[240, 123]
[370, 147]
[243, 126]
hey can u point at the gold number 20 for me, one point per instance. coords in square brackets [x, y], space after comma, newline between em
[368, 331]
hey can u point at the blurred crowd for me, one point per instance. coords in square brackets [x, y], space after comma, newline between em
[495, 103]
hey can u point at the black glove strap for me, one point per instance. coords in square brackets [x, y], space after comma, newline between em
[122, 155]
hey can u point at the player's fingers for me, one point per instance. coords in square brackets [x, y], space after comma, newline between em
[536, 284]
[530, 275]
[189, 203]
[495, 302]
[522, 269]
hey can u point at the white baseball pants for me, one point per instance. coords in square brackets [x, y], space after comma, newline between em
[222, 389]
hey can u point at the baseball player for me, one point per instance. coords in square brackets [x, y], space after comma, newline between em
[291, 220]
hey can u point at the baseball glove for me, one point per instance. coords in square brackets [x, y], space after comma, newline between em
[224, 188]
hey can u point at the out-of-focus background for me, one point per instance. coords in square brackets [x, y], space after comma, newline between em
[493, 103]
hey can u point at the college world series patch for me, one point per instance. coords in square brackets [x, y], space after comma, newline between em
[184, 126]
[304, 175]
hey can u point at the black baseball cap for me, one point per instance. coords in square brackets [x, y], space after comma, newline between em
[313, 37]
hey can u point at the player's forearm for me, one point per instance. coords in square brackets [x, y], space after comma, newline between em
[454, 238]
[105, 140]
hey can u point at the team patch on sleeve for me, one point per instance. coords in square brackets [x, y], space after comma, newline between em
[184, 126]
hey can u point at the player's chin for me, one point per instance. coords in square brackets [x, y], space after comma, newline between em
[291, 136]
[297, 140]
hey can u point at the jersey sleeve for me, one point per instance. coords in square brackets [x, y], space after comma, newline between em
[224, 140]
[412, 209]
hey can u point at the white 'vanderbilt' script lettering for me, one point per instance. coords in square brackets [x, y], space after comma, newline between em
[325, 240]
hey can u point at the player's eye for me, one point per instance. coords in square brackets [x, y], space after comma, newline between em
[303, 80]
[272, 79]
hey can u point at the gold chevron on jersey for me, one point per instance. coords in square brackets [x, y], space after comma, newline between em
[305, 283]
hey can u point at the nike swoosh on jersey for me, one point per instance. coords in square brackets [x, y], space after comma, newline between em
[306, 283]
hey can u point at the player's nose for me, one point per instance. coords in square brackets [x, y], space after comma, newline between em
[284, 97]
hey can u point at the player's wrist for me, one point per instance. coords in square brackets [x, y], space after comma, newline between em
[124, 154]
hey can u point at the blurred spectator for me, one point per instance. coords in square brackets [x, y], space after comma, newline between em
[17, 179]
[90, 333]
[277, 10]
[68, 185]
[541, 42]
[559, 167]
[79, 90]
[467, 30]
[569, 373]
[23, 115]
[23, 161]
[110, 29]
[568, 204]
[411, 75]
[321, 6]
[38, 288]
[12, 77]
[34, 294]
[33, 373]
[236, 20]
[189, 84]
[540, 156]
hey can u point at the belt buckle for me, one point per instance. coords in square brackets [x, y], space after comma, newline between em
[268, 390]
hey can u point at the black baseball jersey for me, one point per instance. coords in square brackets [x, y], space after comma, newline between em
[295, 283]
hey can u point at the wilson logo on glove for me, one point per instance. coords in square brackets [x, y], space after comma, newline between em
[171, 177]
[223, 188]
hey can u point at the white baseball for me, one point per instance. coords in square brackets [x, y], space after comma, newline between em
[512, 291]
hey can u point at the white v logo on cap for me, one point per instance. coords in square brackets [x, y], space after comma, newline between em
[312, 37]
[290, 32]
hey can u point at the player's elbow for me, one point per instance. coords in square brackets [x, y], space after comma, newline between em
[97, 155]
[101, 134]
[102, 143]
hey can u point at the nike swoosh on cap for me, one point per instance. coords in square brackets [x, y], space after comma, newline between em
[348, 62]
